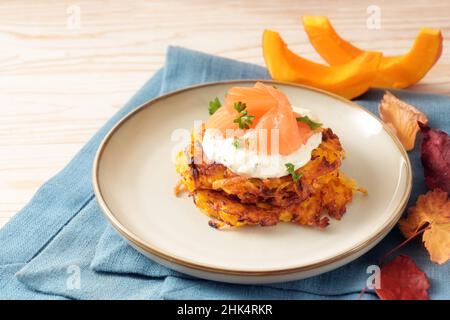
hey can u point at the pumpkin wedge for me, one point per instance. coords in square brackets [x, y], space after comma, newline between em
[394, 71]
[348, 80]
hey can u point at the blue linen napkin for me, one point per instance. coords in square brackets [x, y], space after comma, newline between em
[61, 233]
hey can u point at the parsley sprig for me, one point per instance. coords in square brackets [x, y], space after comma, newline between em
[213, 106]
[291, 170]
[313, 125]
[237, 143]
[244, 120]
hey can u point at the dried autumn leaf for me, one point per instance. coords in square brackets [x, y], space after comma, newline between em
[435, 155]
[401, 279]
[432, 209]
[402, 118]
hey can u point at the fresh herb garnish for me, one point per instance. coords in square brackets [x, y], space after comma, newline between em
[237, 143]
[214, 105]
[291, 170]
[244, 120]
[239, 106]
[313, 125]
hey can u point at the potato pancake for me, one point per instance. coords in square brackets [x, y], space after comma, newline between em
[235, 200]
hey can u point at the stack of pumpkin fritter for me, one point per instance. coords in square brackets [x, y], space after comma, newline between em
[235, 200]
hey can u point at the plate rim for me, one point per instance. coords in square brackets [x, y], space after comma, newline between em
[148, 248]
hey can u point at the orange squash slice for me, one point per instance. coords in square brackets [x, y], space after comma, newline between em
[348, 80]
[394, 71]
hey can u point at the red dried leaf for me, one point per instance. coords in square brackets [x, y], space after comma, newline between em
[435, 155]
[401, 279]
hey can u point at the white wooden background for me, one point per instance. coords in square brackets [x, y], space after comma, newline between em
[62, 77]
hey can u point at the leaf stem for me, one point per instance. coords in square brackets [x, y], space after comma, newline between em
[383, 258]
[361, 294]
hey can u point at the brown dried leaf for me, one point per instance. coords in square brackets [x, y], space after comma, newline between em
[402, 118]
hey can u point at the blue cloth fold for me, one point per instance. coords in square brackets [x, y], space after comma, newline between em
[60, 246]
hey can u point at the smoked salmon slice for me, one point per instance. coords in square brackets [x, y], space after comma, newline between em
[305, 132]
[282, 119]
[274, 119]
[256, 98]
[223, 119]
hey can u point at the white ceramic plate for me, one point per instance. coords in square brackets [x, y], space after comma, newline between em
[134, 176]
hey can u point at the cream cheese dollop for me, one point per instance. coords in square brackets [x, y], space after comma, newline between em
[248, 162]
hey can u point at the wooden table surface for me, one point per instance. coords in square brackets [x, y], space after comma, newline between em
[67, 66]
